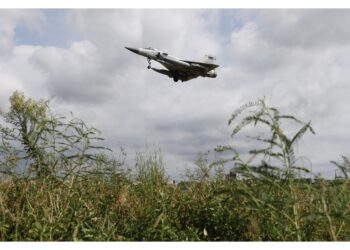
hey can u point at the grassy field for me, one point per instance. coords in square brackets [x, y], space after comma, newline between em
[57, 185]
[117, 209]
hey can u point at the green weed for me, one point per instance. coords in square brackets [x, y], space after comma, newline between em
[58, 185]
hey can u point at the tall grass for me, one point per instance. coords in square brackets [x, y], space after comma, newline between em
[57, 185]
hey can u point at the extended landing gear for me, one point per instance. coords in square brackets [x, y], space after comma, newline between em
[149, 63]
[175, 79]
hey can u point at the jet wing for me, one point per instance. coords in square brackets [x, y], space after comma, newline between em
[183, 76]
[210, 66]
[187, 78]
[180, 75]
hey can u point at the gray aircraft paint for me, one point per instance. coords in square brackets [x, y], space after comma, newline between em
[177, 68]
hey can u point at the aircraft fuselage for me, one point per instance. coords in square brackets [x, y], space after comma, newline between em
[179, 69]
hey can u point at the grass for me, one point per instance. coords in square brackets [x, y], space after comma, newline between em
[57, 185]
[99, 210]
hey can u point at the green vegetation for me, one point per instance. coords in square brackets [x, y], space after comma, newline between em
[58, 184]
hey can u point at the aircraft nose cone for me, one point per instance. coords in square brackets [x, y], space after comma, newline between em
[132, 50]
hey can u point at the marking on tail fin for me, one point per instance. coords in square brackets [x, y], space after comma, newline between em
[208, 59]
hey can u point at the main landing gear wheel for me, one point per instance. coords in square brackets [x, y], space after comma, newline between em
[149, 63]
[175, 79]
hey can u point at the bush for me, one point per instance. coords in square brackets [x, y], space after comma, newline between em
[35, 143]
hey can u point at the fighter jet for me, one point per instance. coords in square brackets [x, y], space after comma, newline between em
[177, 68]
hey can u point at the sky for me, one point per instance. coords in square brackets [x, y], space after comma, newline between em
[297, 59]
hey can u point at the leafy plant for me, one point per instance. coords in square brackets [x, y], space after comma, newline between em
[277, 163]
[36, 143]
[94, 197]
[343, 166]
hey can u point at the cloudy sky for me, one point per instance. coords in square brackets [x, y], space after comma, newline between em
[297, 59]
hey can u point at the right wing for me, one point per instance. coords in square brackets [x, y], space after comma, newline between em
[209, 66]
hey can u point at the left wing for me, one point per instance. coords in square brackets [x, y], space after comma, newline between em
[173, 72]
[187, 77]
[180, 75]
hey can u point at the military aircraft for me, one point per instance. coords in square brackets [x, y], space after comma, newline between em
[177, 68]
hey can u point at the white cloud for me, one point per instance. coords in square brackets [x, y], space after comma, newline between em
[10, 19]
[74, 74]
[14, 70]
[17, 74]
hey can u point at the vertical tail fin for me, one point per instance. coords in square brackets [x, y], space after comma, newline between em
[208, 59]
